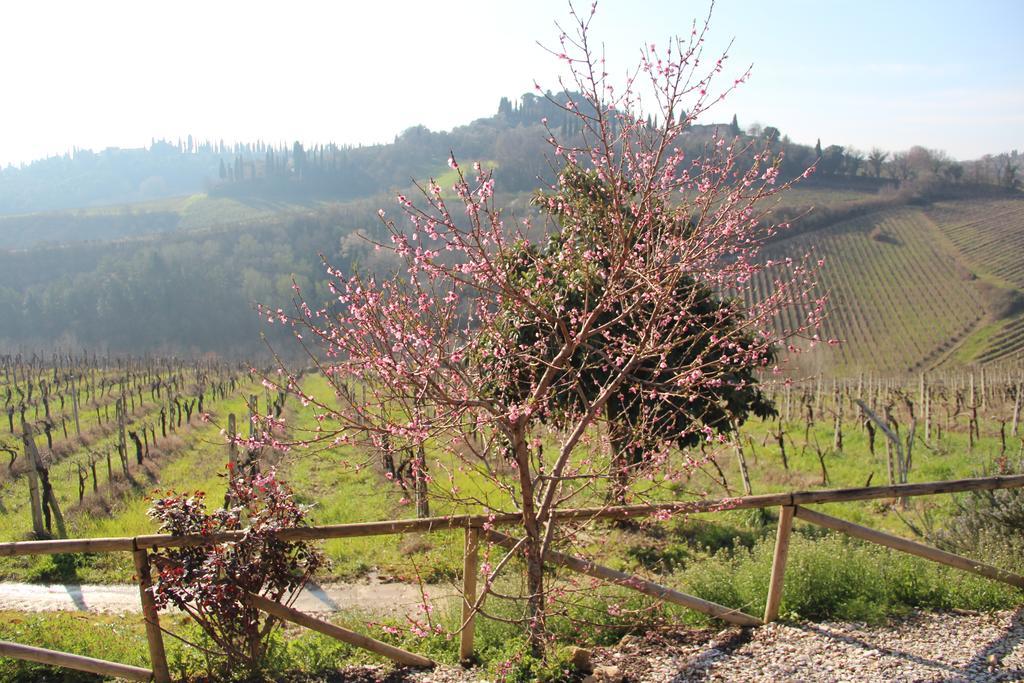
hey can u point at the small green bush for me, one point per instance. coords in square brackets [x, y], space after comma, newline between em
[835, 577]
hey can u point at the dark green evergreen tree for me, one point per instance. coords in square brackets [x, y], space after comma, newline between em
[646, 412]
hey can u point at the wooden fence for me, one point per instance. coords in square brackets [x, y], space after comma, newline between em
[479, 528]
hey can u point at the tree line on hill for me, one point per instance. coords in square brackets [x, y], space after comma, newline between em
[514, 139]
[915, 164]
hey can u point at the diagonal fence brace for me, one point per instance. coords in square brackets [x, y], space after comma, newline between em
[636, 583]
[395, 654]
[911, 547]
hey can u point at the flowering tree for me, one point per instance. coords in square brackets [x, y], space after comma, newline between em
[646, 410]
[506, 350]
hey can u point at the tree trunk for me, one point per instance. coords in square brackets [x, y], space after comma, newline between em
[138, 446]
[619, 465]
[780, 436]
[74, 408]
[742, 459]
[1016, 409]
[122, 442]
[420, 483]
[535, 600]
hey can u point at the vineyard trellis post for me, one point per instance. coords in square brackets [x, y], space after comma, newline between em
[74, 406]
[1016, 406]
[35, 502]
[232, 446]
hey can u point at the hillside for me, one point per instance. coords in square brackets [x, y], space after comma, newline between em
[897, 300]
[911, 286]
[257, 173]
[990, 235]
[918, 287]
[919, 277]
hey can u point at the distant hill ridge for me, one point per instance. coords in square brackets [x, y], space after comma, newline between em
[514, 139]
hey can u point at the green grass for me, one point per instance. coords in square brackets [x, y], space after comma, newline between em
[143, 219]
[449, 176]
[198, 210]
[340, 495]
[809, 195]
[977, 342]
[832, 577]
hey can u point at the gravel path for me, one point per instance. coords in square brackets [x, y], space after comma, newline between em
[922, 647]
[949, 647]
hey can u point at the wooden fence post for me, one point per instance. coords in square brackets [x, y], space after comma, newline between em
[771, 608]
[76, 662]
[470, 569]
[157, 656]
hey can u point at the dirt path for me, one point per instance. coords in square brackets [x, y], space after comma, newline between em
[373, 596]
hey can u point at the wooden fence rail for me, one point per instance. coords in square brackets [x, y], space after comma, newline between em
[477, 527]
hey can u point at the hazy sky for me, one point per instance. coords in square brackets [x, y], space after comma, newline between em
[94, 74]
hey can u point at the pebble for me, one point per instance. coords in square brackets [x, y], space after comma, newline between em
[959, 647]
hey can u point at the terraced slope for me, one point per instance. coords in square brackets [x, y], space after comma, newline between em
[899, 301]
[990, 235]
[1006, 343]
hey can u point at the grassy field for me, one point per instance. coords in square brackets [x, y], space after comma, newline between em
[807, 194]
[990, 233]
[110, 223]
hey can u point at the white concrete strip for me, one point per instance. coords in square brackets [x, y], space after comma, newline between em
[377, 598]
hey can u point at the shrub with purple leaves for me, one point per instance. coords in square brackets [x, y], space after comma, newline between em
[209, 582]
